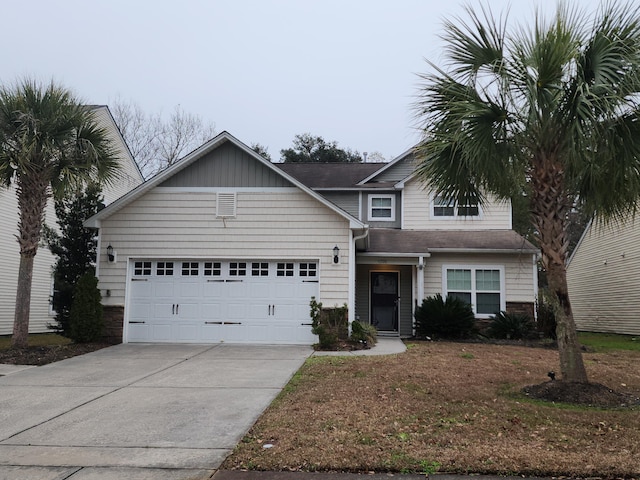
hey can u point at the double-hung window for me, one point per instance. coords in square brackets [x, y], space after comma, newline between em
[382, 208]
[446, 207]
[480, 286]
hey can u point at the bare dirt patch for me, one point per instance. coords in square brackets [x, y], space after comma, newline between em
[457, 408]
[44, 354]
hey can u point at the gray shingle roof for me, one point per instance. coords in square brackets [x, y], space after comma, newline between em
[383, 240]
[330, 175]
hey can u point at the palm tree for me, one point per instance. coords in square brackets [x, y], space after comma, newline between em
[551, 110]
[50, 144]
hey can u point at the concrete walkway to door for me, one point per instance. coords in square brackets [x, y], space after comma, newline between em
[138, 411]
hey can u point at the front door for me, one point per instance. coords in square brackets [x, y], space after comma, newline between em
[384, 301]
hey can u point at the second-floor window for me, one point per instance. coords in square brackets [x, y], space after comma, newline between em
[382, 208]
[446, 207]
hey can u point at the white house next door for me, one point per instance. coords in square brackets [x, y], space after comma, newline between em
[212, 301]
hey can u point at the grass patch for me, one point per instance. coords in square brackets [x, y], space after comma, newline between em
[37, 340]
[432, 409]
[606, 342]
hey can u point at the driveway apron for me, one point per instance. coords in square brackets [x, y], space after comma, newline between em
[138, 411]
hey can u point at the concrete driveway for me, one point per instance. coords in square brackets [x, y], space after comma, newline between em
[138, 411]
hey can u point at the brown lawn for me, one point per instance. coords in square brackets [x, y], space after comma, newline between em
[448, 406]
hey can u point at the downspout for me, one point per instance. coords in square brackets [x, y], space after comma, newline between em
[420, 278]
[352, 275]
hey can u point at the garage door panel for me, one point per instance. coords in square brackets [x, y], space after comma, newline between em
[163, 289]
[214, 302]
[187, 331]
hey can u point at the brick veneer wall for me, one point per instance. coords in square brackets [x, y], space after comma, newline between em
[113, 318]
[522, 308]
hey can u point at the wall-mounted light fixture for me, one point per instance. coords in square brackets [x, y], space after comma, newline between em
[336, 254]
[110, 255]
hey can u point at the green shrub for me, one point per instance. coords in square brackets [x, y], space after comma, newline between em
[330, 324]
[546, 318]
[513, 326]
[450, 318]
[364, 332]
[85, 315]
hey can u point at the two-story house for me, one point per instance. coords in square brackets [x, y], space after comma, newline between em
[225, 246]
[42, 315]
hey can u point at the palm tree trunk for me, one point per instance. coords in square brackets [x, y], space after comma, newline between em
[571, 364]
[33, 193]
[20, 336]
[550, 206]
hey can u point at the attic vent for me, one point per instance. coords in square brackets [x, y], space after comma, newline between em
[225, 205]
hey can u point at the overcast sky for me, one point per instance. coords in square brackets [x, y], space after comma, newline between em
[263, 70]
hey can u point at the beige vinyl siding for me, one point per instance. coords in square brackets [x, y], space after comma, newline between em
[10, 263]
[518, 271]
[604, 279]
[41, 288]
[268, 225]
[417, 213]
[129, 175]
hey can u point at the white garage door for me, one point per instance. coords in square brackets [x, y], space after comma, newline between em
[211, 301]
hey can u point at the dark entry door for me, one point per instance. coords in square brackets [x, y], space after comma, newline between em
[384, 301]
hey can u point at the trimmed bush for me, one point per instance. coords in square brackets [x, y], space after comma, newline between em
[512, 326]
[330, 324]
[450, 318]
[85, 315]
[364, 332]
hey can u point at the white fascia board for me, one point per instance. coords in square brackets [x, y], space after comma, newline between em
[582, 237]
[400, 185]
[483, 250]
[393, 255]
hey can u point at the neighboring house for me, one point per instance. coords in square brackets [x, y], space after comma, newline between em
[41, 314]
[225, 246]
[603, 274]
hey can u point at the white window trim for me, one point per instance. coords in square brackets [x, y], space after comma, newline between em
[455, 216]
[393, 208]
[473, 268]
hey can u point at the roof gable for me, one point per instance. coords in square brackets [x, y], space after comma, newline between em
[207, 153]
[227, 166]
[396, 170]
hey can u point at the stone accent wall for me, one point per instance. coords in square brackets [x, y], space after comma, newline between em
[522, 308]
[113, 317]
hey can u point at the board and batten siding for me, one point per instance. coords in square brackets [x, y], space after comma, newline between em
[417, 213]
[518, 271]
[604, 279]
[347, 201]
[227, 166]
[268, 225]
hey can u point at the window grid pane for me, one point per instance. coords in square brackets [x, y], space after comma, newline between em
[308, 269]
[488, 303]
[238, 269]
[488, 280]
[142, 268]
[458, 279]
[212, 269]
[284, 270]
[190, 269]
[259, 269]
[164, 269]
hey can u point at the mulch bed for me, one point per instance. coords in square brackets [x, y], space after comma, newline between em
[41, 355]
[589, 394]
